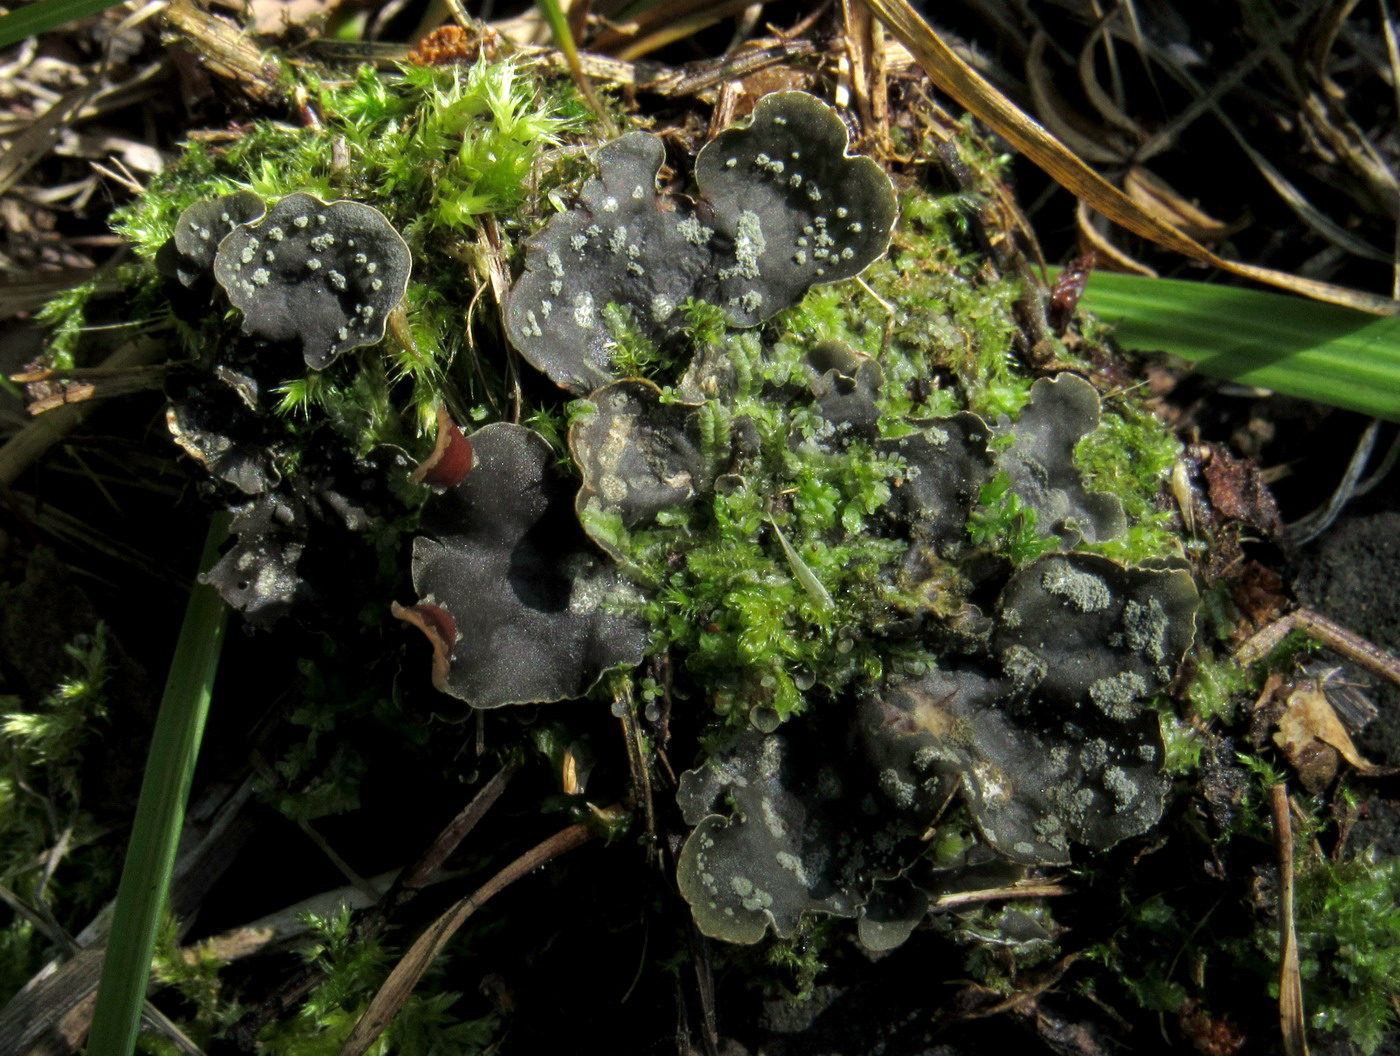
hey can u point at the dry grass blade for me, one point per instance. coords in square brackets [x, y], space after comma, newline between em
[28, 445]
[30, 146]
[1290, 986]
[954, 76]
[415, 962]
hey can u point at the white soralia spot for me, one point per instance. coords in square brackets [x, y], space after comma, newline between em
[618, 239]
[556, 266]
[260, 277]
[300, 221]
[579, 243]
[247, 255]
[532, 326]
[729, 163]
[337, 279]
[583, 311]
[269, 256]
[546, 307]
[857, 227]
[637, 193]
[662, 307]
[276, 234]
[360, 258]
[842, 212]
[555, 288]
[749, 245]
[771, 821]
[312, 264]
[1084, 590]
[610, 204]
[795, 180]
[694, 232]
[376, 284]
[342, 334]
[814, 193]
[323, 241]
[371, 268]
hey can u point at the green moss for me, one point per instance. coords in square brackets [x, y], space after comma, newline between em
[44, 803]
[1004, 523]
[1348, 925]
[1131, 455]
[1220, 685]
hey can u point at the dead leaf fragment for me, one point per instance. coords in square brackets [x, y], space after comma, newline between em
[1312, 737]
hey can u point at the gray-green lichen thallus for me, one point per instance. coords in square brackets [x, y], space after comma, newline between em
[777, 509]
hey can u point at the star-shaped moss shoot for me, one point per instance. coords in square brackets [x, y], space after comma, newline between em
[320, 276]
[516, 604]
[782, 207]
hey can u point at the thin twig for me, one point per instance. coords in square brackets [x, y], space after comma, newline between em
[415, 962]
[1331, 634]
[1290, 986]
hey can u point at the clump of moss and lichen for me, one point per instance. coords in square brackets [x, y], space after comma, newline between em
[785, 589]
[837, 509]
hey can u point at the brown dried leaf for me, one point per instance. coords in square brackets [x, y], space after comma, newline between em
[1312, 737]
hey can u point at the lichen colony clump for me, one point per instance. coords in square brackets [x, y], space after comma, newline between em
[808, 526]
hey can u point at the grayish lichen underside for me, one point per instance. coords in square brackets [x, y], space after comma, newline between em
[638, 456]
[790, 847]
[535, 611]
[1036, 777]
[796, 207]
[1084, 631]
[766, 229]
[323, 276]
[203, 225]
[1040, 462]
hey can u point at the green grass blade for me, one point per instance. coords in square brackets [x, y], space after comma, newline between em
[160, 814]
[44, 15]
[1298, 347]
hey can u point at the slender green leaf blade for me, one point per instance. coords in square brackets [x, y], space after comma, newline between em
[1298, 347]
[160, 813]
[44, 15]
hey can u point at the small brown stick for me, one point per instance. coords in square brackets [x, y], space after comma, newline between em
[1290, 985]
[1329, 633]
[636, 758]
[415, 962]
[406, 886]
[418, 875]
[993, 894]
